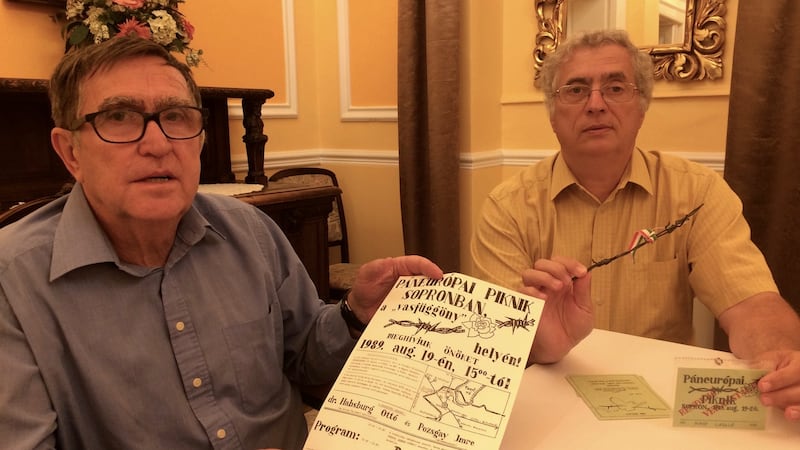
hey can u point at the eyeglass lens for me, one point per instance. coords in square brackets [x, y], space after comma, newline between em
[613, 92]
[123, 125]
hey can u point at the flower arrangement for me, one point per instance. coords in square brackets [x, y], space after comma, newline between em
[94, 21]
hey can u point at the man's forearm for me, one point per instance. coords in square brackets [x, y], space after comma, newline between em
[761, 323]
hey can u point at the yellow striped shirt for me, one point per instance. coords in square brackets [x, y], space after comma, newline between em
[543, 212]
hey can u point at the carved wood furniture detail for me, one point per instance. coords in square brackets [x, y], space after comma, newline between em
[216, 165]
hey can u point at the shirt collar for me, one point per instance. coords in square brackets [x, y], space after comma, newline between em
[636, 173]
[639, 173]
[80, 240]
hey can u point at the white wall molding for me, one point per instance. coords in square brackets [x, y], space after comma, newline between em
[468, 161]
[350, 113]
[360, 157]
[347, 110]
[289, 108]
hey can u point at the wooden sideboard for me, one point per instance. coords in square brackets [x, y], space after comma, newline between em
[302, 213]
[29, 167]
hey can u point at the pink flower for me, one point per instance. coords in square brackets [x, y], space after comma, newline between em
[188, 28]
[133, 26]
[132, 4]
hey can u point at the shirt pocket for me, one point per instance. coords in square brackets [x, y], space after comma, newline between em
[257, 366]
[660, 308]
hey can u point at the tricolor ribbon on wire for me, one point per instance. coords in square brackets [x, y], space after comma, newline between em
[640, 238]
[644, 237]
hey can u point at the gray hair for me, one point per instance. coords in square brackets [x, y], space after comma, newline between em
[81, 63]
[642, 64]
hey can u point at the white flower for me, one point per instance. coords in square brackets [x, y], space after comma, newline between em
[193, 58]
[74, 8]
[163, 27]
[97, 27]
[100, 33]
[94, 21]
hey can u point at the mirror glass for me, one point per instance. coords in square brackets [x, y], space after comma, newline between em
[671, 16]
[684, 37]
[650, 23]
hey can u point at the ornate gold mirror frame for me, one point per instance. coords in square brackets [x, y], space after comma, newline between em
[698, 58]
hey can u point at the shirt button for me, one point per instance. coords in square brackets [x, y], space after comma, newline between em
[197, 382]
[221, 433]
[180, 326]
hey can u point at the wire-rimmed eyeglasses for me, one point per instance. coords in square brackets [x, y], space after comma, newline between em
[122, 126]
[615, 91]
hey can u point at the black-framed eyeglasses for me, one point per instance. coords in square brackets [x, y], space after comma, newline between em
[122, 126]
[614, 91]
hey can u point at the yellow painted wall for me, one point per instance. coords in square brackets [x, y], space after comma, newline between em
[31, 43]
[242, 42]
[373, 42]
[501, 111]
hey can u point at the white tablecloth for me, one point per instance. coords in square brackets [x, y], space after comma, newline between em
[548, 414]
[230, 188]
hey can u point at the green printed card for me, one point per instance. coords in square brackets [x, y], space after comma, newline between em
[718, 398]
[619, 396]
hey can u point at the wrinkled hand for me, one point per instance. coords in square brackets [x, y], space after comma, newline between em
[780, 387]
[376, 278]
[567, 316]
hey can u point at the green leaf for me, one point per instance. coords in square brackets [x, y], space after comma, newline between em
[78, 34]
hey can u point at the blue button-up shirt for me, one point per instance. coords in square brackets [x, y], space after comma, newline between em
[204, 352]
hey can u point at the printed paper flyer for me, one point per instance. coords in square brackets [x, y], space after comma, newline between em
[438, 367]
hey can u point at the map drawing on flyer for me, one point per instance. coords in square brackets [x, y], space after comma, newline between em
[438, 367]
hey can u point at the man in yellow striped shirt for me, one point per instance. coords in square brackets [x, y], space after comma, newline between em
[540, 229]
